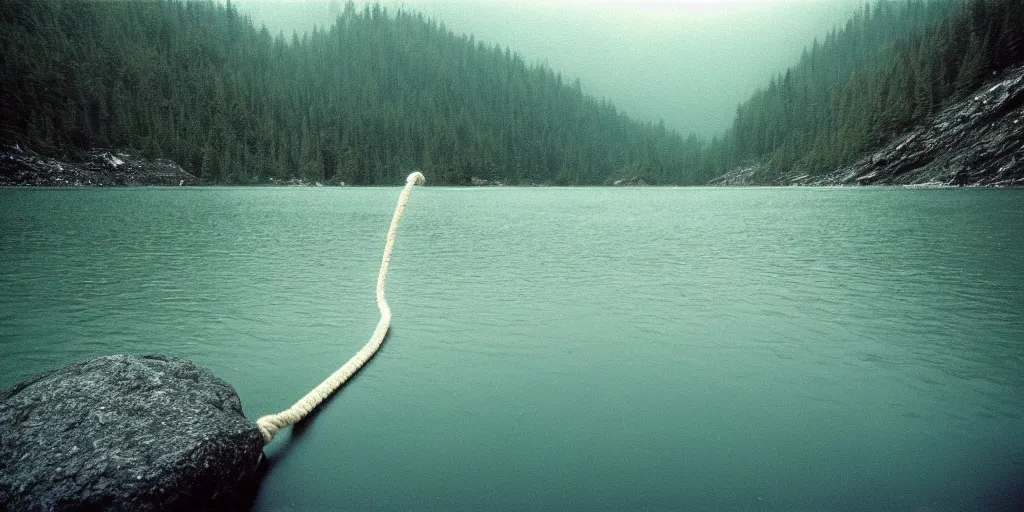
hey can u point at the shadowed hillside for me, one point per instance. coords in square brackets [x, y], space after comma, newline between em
[378, 94]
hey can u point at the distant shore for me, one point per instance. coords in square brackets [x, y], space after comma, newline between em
[22, 167]
[974, 142]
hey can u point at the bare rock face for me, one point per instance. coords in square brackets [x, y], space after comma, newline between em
[21, 167]
[978, 141]
[975, 142]
[126, 433]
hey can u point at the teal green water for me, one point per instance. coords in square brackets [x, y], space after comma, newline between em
[565, 349]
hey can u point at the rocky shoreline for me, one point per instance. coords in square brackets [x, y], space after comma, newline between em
[975, 142]
[21, 167]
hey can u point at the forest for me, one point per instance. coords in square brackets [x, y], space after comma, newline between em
[891, 66]
[377, 95]
[383, 92]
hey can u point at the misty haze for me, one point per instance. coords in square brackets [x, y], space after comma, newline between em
[686, 63]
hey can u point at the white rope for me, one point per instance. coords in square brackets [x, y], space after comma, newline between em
[270, 424]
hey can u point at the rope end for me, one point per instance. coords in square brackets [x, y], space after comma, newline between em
[267, 428]
[416, 178]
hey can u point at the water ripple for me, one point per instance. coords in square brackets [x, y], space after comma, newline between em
[679, 340]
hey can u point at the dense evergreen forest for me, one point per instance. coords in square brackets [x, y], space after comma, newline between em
[375, 96]
[380, 93]
[892, 65]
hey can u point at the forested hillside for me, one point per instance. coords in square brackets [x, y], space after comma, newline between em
[381, 93]
[892, 65]
[377, 95]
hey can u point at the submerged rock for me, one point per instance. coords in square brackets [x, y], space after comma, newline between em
[126, 433]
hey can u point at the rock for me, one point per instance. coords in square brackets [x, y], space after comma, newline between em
[972, 142]
[97, 168]
[480, 182]
[126, 433]
[741, 176]
[976, 141]
[632, 181]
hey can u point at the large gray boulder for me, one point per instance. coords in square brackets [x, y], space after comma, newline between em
[126, 433]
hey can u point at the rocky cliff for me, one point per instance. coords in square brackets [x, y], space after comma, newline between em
[99, 168]
[978, 141]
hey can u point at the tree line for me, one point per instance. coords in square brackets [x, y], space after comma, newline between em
[892, 65]
[381, 93]
[366, 101]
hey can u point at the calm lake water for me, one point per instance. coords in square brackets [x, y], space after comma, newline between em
[565, 349]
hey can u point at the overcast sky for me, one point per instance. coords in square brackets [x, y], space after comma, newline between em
[687, 62]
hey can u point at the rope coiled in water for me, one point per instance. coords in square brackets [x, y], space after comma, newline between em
[270, 424]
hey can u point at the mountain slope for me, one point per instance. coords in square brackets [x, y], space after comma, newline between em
[894, 65]
[978, 141]
[379, 94]
[375, 96]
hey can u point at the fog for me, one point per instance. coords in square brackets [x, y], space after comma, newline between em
[687, 63]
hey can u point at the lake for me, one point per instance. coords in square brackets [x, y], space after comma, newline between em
[564, 349]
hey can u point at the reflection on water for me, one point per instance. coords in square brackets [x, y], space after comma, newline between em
[556, 349]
